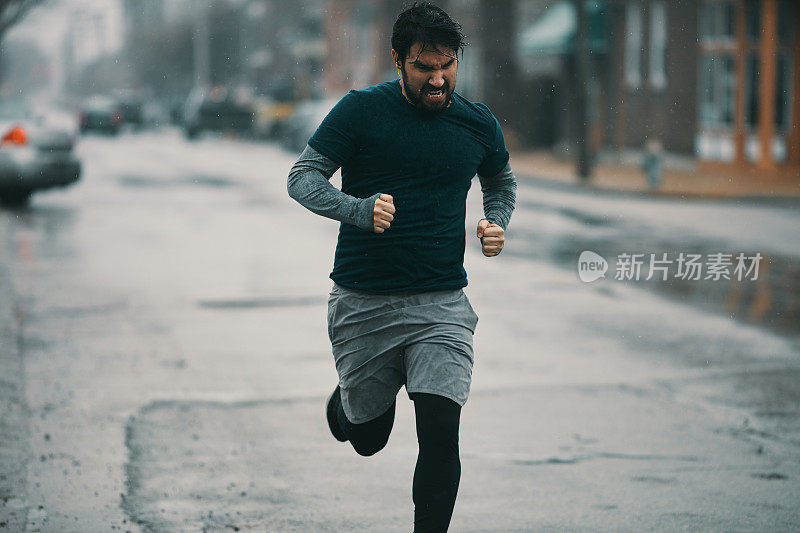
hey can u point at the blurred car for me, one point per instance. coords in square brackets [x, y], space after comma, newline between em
[101, 113]
[216, 110]
[264, 117]
[132, 111]
[305, 120]
[281, 112]
[174, 106]
[154, 114]
[36, 152]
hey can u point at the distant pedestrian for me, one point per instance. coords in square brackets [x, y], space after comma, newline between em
[653, 163]
[397, 314]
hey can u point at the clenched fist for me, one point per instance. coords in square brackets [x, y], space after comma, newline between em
[383, 213]
[492, 238]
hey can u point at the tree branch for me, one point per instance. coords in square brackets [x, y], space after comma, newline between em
[12, 11]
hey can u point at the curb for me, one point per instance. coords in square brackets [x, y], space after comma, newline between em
[555, 183]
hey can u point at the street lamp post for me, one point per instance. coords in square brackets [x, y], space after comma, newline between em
[200, 43]
[582, 75]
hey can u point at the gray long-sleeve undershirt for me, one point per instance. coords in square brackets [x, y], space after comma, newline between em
[499, 196]
[309, 184]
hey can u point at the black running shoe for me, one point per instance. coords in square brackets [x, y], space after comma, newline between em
[332, 411]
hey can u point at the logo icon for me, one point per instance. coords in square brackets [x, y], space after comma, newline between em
[591, 266]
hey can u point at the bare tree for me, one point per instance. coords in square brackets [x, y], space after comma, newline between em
[12, 11]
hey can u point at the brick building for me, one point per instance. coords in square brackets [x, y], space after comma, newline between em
[717, 79]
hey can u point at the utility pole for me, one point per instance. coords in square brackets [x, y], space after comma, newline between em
[201, 44]
[68, 60]
[99, 24]
[582, 78]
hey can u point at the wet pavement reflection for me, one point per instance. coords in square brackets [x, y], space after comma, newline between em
[771, 300]
[172, 359]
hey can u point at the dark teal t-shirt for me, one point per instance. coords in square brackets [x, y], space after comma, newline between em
[426, 162]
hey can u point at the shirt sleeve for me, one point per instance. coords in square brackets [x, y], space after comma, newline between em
[337, 136]
[496, 157]
[308, 184]
[499, 196]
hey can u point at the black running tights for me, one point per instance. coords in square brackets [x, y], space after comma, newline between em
[438, 467]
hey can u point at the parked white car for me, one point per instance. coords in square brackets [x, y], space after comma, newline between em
[36, 152]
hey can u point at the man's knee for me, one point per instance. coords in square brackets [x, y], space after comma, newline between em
[367, 448]
[371, 437]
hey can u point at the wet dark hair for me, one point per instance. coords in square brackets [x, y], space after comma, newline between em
[429, 25]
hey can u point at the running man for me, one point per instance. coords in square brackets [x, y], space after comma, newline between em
[397, 314]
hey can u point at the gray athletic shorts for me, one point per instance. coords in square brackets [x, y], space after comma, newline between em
[381, 342]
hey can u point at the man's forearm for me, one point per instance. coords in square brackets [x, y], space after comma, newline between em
[309, 184]
[499, 196]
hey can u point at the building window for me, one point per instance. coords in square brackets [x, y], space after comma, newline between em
[751, 89]
[752, 13]
[786, 29]
[633, 45]
[717, 64]
[783, 92]
[784, 73]
[717, 84]
[718, 21]
[658, 44]
[717, 78]
[786, 22]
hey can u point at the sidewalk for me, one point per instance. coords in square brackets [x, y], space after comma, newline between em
[698, 182]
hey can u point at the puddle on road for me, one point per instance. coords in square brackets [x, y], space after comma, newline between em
[143, 182]
[772, 300]
[252, 303]
[769, 476]
[82, 311]
[771, 395]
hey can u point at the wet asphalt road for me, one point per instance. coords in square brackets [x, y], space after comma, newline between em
[164, 362]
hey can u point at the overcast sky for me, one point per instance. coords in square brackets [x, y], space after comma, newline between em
[47, 25]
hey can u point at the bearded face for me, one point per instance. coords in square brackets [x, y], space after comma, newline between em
[429, 77]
